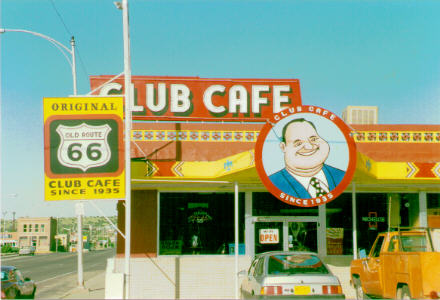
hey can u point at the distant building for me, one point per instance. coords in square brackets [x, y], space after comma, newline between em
[37, 232]
[62, 242]
[9, 238]
[360, 114]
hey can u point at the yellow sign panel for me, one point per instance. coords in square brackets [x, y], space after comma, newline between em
[83, 148]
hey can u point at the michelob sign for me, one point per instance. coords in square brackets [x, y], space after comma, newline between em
[83, 148]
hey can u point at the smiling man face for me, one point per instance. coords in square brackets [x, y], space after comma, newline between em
[304, 150]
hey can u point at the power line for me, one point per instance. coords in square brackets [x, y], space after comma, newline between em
[70, 33]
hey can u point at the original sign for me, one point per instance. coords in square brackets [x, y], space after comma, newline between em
[194, 97]
[269, 236]
[83, 148]
[305, 155]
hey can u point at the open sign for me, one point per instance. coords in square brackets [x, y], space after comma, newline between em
[269, 236]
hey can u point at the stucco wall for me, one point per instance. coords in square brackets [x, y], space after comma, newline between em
[183, 277]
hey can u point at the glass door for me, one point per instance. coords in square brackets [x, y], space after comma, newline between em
[302, 236]
[287, 234]
[268, 236]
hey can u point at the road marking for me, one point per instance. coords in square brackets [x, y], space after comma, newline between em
[61, 275]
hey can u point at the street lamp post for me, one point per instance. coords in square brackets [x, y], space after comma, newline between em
[128, 112]
[72, 62]
[58, 45]
[4, 220]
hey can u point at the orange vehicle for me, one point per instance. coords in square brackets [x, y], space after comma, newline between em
[402, 264]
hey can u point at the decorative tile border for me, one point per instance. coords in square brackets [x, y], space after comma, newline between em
[251, 136]
[194, 135]
[396, 136]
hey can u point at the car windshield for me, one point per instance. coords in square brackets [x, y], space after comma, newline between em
[295, 264]
[4, 276]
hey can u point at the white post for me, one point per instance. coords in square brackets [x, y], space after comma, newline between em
[72, 43]
[79, 246]
[237, 249]
[423, 209]
[128, 104]
[354, 216]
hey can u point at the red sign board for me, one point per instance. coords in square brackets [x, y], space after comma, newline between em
[194, 98]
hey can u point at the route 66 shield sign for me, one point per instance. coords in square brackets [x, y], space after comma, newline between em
[83, 146]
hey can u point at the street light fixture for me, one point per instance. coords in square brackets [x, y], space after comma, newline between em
[72, 62]
[58, 45]
[4, 220]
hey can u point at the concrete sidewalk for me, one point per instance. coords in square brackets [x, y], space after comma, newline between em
[95, 285]
[94, 288]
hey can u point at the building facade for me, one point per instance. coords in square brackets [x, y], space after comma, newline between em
[9, 238]
[189, 176]
[37, 232]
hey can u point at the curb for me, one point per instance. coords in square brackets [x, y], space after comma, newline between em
[81, 290]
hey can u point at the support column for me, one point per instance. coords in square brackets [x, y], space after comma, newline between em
[249, 226]
[237, 246]
[322, 230]
[423, 210]
[354, 215]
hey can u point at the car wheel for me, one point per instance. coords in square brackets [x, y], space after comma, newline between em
[403, 293]
[242, 295]
[359, 290]
[12, 294]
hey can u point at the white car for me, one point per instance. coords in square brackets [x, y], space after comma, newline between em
[282, 275]
[26, 250]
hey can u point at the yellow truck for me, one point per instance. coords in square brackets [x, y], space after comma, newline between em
[402, 264]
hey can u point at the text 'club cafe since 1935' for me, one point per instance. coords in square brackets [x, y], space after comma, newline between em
[306, 179]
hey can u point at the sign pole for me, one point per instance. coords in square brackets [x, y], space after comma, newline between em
[79, 244]
[80, 205]
[128, 107]
[236, 246]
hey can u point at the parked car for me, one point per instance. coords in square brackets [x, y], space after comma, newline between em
[402, 264]
[26, 250]
[14, 285]
[280, 274]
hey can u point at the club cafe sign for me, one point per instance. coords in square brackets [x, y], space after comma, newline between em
[195, 97]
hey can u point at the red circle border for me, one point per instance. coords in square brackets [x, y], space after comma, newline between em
[308, 202]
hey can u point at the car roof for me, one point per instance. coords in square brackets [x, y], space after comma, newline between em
[269, 253]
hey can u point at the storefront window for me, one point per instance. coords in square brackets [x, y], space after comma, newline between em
[433, 205]
[372, 217]
[265, 204]
[340, 225]
[409, 209]
[199, 223]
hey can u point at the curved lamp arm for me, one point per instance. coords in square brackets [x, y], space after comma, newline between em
[63, 49]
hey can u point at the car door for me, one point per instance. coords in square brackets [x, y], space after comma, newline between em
[258, 276]
[24, 286]
[247, 282]
[372, 280]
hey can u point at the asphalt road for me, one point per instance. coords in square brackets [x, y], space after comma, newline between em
[56, 273]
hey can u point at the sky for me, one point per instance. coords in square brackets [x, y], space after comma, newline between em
[344, 52]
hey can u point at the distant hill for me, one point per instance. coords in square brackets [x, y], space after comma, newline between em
[64, 224]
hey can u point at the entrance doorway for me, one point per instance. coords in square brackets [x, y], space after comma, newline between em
[288, 234]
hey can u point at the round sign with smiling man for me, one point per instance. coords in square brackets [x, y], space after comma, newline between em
[305, 156]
